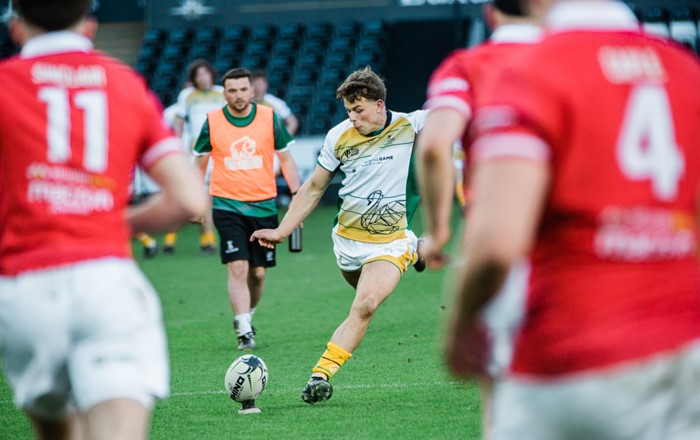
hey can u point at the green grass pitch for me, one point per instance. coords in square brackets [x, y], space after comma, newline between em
[394, 387]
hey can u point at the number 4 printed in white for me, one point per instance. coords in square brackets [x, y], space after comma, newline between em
[94, 105]
[647, 147]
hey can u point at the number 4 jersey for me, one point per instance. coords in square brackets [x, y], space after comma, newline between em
[615, 115]
[73, 124]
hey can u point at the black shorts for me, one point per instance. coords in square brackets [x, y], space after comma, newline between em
[234, 235]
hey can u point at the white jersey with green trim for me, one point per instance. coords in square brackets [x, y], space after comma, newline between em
[378, 194]
[193, 105]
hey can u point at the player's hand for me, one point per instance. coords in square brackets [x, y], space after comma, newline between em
[431, 251]
[267, 237]
[466, 350]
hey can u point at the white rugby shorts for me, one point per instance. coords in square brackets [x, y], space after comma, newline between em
[82, 334]
[657, 398]
[351, 255]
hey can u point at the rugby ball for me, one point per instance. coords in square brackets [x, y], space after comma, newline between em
[246, 378]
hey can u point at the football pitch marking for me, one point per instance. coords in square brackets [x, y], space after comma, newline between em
[292, 390]
[349, 387]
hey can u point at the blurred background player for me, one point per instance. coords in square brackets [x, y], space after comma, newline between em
[372, 238]
[242, 138]
[609, 347]
[81, 331]
[260, 85]
[144, 186]
[193, 104]
[454, 92]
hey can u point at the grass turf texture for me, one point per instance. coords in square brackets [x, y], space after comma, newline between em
[394, 386]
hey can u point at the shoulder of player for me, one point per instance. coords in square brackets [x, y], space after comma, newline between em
[184, 93]
[272, 99]
[336, 132]
[416, 118]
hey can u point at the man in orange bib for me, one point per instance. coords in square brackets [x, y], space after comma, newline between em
[242, 138]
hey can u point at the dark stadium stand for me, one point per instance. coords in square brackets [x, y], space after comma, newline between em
[306, 62]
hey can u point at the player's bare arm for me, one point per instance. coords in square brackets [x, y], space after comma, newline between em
[493, 242]
[303, 203]
[292, 124]
[435, 172]
[289, 170]
[182, 197]
[201, 162]
[179, 125]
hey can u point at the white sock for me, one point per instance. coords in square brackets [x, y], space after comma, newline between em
[243, 324]
[252, 312]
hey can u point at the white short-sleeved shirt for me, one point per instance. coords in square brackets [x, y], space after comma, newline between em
[378, 192]
[193, 105]
[278, 105]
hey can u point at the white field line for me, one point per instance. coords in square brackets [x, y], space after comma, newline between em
[297, 389]
[350, 387]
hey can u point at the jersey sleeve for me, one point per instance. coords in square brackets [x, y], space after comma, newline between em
[282, 137]
[520, 118]
[203, 144]
[279, 106]
[181, 104]
[327, 158]
[449, 86]
[158, 138]
[418, 119]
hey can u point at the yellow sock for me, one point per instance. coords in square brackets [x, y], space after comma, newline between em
[146, 240]
[170, 239]
[331, 360]
[206, 239]
[459, 193]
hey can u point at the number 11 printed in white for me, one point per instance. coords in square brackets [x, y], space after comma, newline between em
[94, 106]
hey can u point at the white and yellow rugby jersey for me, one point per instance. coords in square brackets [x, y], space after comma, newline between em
[378, 194]
[193, 105]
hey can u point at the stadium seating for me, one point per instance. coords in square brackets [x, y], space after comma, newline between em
[306, 62]
[684, 27]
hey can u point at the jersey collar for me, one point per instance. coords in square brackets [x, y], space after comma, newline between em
[517, 33]
[55, 42]
[591, 15]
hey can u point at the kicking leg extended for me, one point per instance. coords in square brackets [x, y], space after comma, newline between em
[376, 282]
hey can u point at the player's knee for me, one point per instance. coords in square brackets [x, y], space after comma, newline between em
[365, 307]
[238, 269]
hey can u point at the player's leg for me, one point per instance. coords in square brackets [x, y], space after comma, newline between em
[119, 363]
[150, 245]
[261, 259]
[234, 252]
[169, 242]
[66, 428]
[239, 297]
[34, 342]
[117, 419]
[207, 237]
[377, 281]
[352, 277]
[256, 285]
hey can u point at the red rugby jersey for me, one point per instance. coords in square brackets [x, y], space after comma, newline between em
[466, 74]
[73, 124]
[614, 113]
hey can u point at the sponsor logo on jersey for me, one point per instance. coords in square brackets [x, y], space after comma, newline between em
[349, 153]
[243, 155]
